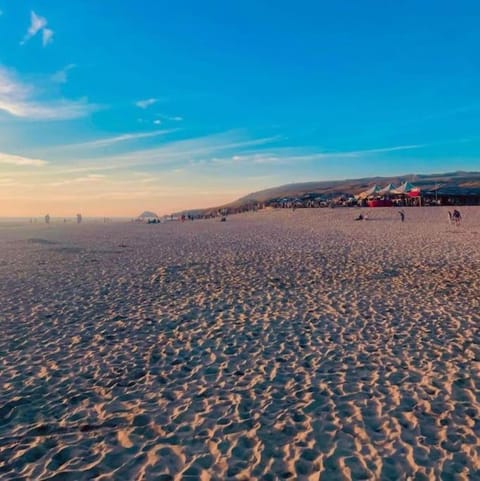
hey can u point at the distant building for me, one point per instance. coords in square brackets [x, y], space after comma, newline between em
[452, 195]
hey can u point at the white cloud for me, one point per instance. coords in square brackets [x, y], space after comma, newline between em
[157, 122]
[176, 118]
[144, 104]
[119, 138]
[61, 76]
[10, 86]
[38, 24]
[293, 156]
[217, 150]
[12, 159]
[20, 100]
[79, 180]
[255, 158]
[176, 153]
[392, 149]
[47, 36]
[53, 110]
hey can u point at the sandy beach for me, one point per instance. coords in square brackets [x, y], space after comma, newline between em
[277, 345]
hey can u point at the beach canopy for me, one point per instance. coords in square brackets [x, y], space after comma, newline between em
[148, 215]
[369, 193]
[388, 189]
[405, 188]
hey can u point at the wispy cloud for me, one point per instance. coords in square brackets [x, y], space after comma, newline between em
[22, 100]
[116, 139]
[176, 153]
[38, 24]
[144, 104]
[294, 155]
[391, 149]
[326, 155]
[257, 158]
[12, 159]
[61, 76]
[7, 182]
[175, 118]
[213, 152]
[47, 36]
[79, 180]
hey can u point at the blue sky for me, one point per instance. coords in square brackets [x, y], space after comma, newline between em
[113, 107]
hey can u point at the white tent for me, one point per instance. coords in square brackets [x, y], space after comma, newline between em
[388, 189]
[147, 215]
[369, 193]
[405, 188]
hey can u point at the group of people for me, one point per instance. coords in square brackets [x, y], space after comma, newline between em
[454, 217]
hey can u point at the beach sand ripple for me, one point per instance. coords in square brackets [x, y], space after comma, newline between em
[277, 345]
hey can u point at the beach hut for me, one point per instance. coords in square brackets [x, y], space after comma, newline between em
[452, 195]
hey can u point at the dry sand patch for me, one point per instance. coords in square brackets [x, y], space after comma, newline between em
[277, 345]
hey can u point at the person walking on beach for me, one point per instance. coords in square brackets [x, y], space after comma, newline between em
[402, 215]
[450, 219]
[457, 217]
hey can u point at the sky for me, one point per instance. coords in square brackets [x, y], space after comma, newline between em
[113, 107]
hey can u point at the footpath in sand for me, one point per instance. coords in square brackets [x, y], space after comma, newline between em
[277, 345]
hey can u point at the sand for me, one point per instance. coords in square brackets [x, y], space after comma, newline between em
[277, 345]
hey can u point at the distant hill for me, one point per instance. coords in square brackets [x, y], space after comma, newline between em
[458, 179]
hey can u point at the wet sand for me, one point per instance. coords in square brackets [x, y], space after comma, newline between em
[277, 345]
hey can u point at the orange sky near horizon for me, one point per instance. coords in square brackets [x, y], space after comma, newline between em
[120, 207]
